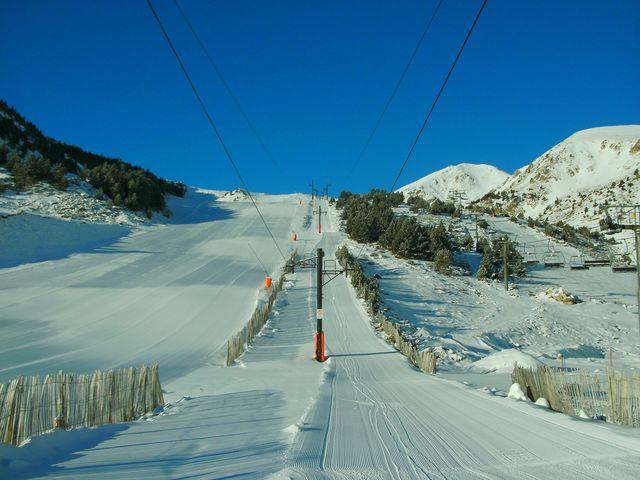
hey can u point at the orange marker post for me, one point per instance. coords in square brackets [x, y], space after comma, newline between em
[267, 281]
[318, 341]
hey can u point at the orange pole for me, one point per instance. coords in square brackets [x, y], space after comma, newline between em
[318, 351]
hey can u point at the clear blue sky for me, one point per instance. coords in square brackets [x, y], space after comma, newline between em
[313, 76]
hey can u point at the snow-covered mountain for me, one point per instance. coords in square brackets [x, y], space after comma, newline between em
[573, 180]
[473, 179]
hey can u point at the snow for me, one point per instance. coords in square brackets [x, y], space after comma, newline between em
[473, 179]
[618, 133]
[503, 362]
[172, 293]
[237, 195]
[542, 402]
[574, 179]
[175, 292]
[379, 418]
[77, 202]
[464, 320]
[515, 392]
[30, 238]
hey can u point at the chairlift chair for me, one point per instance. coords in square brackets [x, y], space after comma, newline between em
[620, 264]
[553, 259]
[577, 263]
[531, 258]
[597, 262]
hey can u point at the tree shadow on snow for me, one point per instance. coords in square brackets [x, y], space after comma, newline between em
[196, 207]
[30, 238]
[41, 455]
[221, 436]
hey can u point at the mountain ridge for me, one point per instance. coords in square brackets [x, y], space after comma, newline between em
[475, 179]
[573, 180]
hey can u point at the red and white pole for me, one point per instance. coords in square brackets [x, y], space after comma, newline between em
[318, 337]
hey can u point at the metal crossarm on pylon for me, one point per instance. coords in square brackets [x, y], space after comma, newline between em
[624, 216]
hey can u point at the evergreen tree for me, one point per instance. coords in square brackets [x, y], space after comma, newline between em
[438, 207]
[58, 177]
[417, 203]
[443, 260]
[491, 266]
[467, 242]
[111, 176]
[439, 239]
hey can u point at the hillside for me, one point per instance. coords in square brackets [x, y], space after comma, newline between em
[473, 179]
[574, 179]
[28, 158]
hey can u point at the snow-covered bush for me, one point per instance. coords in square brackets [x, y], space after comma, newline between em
[560, 295]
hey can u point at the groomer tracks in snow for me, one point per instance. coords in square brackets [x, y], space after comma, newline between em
[366, 413]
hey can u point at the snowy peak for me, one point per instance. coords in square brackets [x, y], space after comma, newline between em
[473, 179]
[587, 159]
[619, 133]
[572, 180]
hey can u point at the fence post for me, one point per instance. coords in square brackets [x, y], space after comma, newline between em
[13, 403]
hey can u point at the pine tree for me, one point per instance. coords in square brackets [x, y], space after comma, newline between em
[485, 270]
[443, 260]
[58, 177]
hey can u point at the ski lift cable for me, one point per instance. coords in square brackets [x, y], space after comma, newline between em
[258, 258]
[211, 122]
[439, 94]
[433, 105]
[425, 31]
[227, 87]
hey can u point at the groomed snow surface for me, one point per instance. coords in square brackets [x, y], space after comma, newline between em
[174, 293]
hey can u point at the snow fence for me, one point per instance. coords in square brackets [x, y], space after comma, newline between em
[238, 344]
[611, 396]
[31, 406]
[368, 289]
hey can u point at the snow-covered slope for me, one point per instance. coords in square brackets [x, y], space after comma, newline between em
[473, 179]
[79, 201]
[571, 181]
[175, 293]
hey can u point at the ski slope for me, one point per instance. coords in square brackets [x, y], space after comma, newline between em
[171, 293]
[364, 414]
[380, 418]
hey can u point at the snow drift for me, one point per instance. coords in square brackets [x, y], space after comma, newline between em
[503, 362]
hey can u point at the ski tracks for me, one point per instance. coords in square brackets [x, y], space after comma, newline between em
[384, 419]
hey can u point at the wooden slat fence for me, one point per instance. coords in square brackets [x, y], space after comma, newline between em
[237, 344]
[31, 405]
[425, 360]
[368, 289]
[611, 395]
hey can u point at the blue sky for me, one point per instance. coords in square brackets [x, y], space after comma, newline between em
[313, 76]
